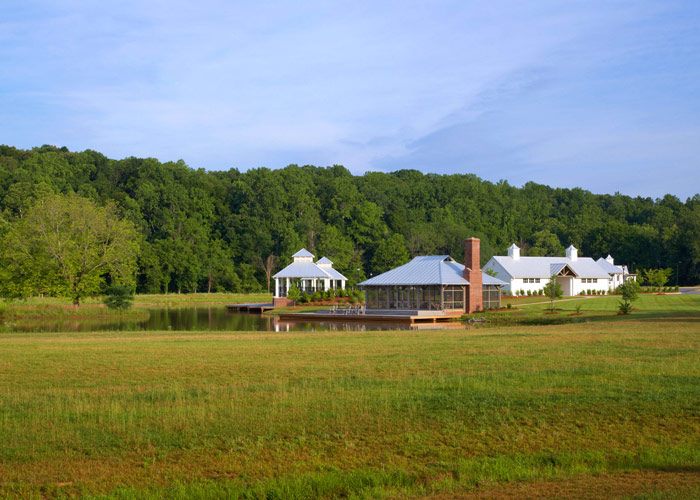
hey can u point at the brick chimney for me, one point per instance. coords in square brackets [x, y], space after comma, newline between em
[472, 273]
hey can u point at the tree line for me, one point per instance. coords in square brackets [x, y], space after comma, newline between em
[201, 231]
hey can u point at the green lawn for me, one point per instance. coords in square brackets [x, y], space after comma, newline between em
[647, 305]
[356, 415]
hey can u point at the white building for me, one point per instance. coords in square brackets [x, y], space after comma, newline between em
[618, 274]
[575, 274]
[310, 276]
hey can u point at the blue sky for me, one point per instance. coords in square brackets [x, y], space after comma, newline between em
[603, 95]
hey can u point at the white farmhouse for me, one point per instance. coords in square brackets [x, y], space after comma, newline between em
[309, 276]
[575, 274]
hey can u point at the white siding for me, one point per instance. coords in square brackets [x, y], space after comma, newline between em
[601, 285]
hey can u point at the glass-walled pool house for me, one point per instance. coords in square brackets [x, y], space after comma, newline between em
[429, 283]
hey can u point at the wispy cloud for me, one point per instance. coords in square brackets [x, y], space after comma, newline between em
[511, 90]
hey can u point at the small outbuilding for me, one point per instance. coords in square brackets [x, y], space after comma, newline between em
[309, 276]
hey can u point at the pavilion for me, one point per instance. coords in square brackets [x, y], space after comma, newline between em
[435, 283]
[309, 276]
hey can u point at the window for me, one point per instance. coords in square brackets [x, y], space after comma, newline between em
[589, 280]
[531, 280]
[453, 297]
[491, 297]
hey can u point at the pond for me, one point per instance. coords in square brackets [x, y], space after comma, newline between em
[197, 319]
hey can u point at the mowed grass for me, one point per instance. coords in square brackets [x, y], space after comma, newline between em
[648, 305]
[351, 415]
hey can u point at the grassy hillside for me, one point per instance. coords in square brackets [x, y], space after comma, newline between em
[365, 415]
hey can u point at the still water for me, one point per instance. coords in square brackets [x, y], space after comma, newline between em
[196, 319]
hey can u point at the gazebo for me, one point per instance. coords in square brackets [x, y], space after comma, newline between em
[308, 275]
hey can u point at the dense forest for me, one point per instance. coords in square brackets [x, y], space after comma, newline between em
[213, 231]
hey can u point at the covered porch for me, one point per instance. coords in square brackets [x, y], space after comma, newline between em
[447, 298]
[308, 285]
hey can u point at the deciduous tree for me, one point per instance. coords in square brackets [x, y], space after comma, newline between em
[67, 246]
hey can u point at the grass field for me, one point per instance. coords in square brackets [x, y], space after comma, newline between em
[604, 409]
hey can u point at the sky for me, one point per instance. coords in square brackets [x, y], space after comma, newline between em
[603, 95]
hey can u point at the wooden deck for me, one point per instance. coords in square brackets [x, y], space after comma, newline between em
[371, 318]
[252, 308]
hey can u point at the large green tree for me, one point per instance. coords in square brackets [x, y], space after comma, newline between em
[67, 246]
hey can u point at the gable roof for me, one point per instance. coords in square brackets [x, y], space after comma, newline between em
[324, 260]
[309, 269]
[541, 267]
[302, 270]
[427, 270]
[303, 253]
[558, 267]
[608, 267]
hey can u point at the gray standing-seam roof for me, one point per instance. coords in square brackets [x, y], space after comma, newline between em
[324, 260]
[427, 270]
[608, 267]
[541, 267]
[303, 253]
[309, 269]
[302, 270]
[334, 274]
[557, 268]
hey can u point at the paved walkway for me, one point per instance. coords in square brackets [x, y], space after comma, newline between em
[690, 290]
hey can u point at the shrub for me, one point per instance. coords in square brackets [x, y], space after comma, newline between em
[293, 293]
[675, 288]
[509, 305]
[582, 293]
[316, 296]
[529, 293]
[118, 297]
[625, 307]
[578, 308]
[629, 293]
[304, 298]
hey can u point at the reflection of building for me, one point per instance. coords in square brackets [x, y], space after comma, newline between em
[307, 275]
[435, 283]
[575, 274]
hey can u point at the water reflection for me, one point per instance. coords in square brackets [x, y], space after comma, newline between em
[199, 319]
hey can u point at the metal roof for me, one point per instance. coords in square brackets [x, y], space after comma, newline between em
[608, 267]
[324, 260]
[334, 274]
[540, 267]
[303, 270]
[303, 253]
[427, 270]
[555, 269]
[306, 269]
